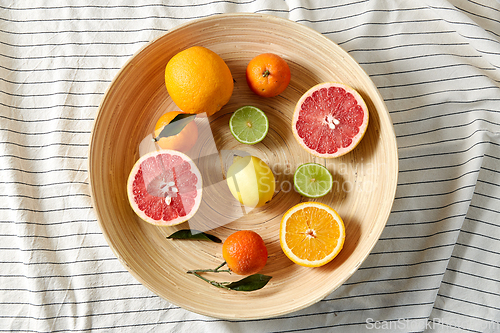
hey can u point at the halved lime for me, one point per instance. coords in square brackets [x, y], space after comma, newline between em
[249, 125]
[312, 180]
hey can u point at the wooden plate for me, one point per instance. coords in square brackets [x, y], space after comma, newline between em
[364, 180]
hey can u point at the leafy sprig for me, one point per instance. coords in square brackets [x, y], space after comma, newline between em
[249, 283]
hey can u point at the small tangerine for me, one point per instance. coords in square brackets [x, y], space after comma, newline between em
[245, 252]
[183, 141]
[268, 75]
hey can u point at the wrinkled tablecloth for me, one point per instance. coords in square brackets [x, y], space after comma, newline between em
[435, 268]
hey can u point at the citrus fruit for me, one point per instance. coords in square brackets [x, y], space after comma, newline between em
[249, 125]
[311, 234]
[268, 75]
[245, 252]
[251, 181]
[198, 80]
[183, 141]
[312, 180]
[330, 119]
[164, 187]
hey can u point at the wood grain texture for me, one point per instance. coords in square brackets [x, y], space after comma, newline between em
[364, 180]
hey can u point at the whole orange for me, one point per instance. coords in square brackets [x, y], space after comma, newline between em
[183, 141]
[198, 80]
[268, 75]
[245, 252]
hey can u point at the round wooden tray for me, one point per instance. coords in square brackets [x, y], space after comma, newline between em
[364, 180]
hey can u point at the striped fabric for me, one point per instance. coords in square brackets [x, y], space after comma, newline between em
[436, 266]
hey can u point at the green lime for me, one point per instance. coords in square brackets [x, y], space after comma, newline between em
[249, 125]
[312, 180]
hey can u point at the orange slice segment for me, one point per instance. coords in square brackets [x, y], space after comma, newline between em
[311, 234]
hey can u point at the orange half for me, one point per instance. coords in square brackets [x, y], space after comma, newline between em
[311, 234]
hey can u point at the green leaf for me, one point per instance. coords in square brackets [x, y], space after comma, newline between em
[193, 234]
[250, 283]
[176, 125]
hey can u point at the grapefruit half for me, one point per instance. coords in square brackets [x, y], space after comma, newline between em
[164, 188]
[330, 119]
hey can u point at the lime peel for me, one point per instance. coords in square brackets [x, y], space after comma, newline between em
[249, 125]
[312, 180]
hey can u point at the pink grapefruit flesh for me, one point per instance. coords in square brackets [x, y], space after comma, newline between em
[330, 119]
[164, 188]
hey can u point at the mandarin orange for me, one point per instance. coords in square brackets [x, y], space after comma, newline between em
[183, 141]
[268, 75]
[245, 252]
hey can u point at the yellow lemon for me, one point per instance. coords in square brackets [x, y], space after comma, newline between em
[251, 181]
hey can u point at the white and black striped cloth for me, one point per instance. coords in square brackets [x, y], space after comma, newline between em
[436, 266]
